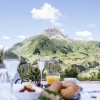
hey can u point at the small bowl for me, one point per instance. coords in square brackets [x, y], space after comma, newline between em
[26, 95]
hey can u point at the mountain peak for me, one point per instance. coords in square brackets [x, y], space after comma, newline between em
[53, 33]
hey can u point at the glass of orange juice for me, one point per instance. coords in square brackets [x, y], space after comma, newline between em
[52, 77]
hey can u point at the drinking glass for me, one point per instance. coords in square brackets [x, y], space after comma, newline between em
[41, 64]
[52, 77]
[11, 64]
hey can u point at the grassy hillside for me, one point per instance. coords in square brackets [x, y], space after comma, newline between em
[83, 55]
[69, 51]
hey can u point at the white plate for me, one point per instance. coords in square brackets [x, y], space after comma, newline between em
[71, 80]
[26, 95]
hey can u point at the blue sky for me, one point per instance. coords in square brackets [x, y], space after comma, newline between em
[19, 19]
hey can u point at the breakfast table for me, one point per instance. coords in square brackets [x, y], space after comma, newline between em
[89, 91]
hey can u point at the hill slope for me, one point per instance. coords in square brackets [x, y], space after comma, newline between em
[62, 48]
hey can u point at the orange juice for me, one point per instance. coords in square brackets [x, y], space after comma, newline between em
[51, 79]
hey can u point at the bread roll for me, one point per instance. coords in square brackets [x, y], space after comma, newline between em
[55, 87]
[70, 90]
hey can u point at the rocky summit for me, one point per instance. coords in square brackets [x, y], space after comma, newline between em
[53, 33]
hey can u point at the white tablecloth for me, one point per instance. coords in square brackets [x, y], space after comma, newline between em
[4, 77]
[5, 92]
[90, 91]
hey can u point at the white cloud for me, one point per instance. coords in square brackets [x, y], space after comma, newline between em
[1, 46]
[85, 39]
[91, 25]
[84, 35]
[62, 30]
[6, 37]
[22, 37]
[56, 23]
[47, 12]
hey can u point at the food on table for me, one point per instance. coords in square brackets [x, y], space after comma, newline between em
[39, 85]
[59, 90]
[51, 95]
[70, 90]
[56, 86]
[43, 98]
[27, 88]
[67, 84]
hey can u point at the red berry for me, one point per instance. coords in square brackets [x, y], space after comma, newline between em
[22, 90]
